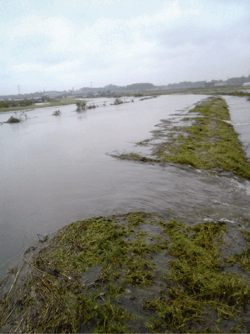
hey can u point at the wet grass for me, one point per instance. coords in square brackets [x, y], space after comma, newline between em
[197, 284]
[210, 142]
[80, 282]
[134, 157]
[244, 258]
[102, 244]
[57, 296]
[19, 117]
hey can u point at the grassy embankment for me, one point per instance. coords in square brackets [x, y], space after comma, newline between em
[130, 273]
[209, 143]
[61, 102]
[232, 91]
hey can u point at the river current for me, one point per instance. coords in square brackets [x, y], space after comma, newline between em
[57, 169]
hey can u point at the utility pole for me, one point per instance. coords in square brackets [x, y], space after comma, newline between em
[18, 87]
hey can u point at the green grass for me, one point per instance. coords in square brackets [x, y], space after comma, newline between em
[196, 280]
[57, 292]
[233, 91]
[210, 143]
[133, 157]
[244, 258]
[103, 245]
[190, 288]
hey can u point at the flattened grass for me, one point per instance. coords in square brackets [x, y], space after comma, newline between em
[197, 284]
[101, 242]
[78, 283]
[244, 258]
[210, 143]
[61, 295]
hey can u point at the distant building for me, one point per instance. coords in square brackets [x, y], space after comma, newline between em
[51, 93]
[220, 84]
[246, 84]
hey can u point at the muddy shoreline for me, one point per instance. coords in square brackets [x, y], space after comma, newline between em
[139, 272]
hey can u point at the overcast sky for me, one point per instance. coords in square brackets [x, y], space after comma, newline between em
[60, 44]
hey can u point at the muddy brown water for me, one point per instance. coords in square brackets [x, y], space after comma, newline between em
[56, 170]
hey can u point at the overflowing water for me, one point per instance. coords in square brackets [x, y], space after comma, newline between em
[56, 169]
[240, 115]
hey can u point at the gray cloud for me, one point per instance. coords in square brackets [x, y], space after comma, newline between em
[62, 45]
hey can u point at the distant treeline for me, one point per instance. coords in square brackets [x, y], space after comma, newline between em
[20, 103]
[136, 88]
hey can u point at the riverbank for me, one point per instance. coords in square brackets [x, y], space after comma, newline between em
[56, 103]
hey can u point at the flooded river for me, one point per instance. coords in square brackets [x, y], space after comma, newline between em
[240, 115]
[56, 169]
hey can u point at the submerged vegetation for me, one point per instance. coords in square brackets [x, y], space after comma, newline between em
[56, 113]
[118, 101]
[132, 273]
[244, 257]
[148, 98]
[210, 142]
[134, 157]
[81, 105]
[13, 119]
[19, 117]
[198, 287]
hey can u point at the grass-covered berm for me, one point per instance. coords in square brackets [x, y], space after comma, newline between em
[32, 105]
[132, 273]
[205, 139]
